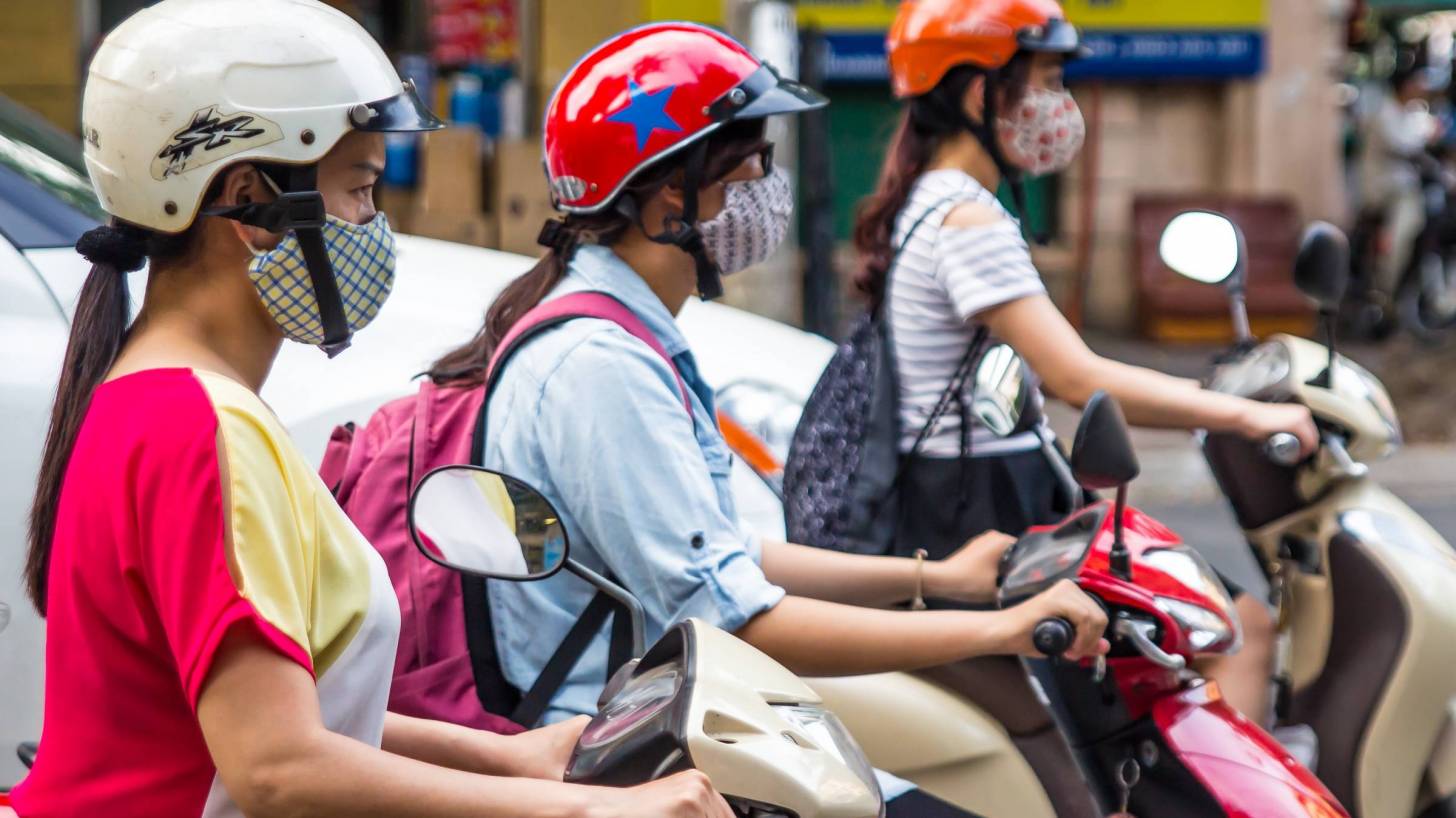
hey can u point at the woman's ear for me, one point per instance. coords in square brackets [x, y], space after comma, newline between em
[662, 205]
[244, 184]
[973, 102]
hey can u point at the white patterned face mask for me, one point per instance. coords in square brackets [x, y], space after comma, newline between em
[1044, 132]
[754, 220]
[363, 259]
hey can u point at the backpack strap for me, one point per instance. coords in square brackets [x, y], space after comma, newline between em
[590, 304]
[495, 693]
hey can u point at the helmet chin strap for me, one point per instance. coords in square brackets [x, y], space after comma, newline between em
[682, 231]
[301, 209]
[985, 133]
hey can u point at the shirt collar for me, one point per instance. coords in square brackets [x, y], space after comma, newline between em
[601, 269]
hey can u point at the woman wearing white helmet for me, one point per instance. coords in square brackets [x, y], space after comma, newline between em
[220, 637]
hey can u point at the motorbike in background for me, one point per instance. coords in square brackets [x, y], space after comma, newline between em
[1423, 302]
[1365, 589]
[697, 699]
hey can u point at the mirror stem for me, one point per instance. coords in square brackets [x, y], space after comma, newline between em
[1326, 378]
[1239, 310]
[622, 597]
[1119, 560]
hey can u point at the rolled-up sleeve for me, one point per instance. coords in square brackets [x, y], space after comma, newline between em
[622, 452]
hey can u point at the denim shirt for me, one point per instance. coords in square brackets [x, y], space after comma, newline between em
[593, 419]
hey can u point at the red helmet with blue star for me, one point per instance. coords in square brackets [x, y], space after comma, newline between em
[649, 93]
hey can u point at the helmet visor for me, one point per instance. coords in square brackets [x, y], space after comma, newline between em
[763, 93]
[1056, 37]
[405, 112]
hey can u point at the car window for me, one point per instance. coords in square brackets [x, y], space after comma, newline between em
[45, 198]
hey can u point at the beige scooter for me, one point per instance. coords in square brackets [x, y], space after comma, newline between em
[1365, 588]
[697, 699]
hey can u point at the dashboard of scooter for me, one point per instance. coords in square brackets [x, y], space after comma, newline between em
[1288, 368]
[1170, 587]
[1047, 555]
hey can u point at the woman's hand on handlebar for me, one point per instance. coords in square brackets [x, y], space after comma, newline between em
[1262, 421]
[968, 575]
[685, 795]
[1071, 603]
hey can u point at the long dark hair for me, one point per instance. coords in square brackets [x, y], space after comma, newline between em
[98, 332]
[926, 122]
[467, 364]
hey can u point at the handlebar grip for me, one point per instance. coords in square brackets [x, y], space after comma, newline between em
[1282, 448]
[1053, 636]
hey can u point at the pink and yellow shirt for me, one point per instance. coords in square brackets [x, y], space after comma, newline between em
[187, 513]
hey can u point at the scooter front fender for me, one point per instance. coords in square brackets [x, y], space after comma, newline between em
[1241, 766]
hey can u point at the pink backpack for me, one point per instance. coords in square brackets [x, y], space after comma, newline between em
[446, 667]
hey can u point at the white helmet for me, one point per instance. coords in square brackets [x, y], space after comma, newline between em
[185, 84]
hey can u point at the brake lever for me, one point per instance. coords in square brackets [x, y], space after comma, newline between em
[1347, 464]
[1137, 633]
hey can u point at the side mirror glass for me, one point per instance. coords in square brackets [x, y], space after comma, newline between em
[1322, 268]
[1102, 453]
[1003, 402]
[1202, 246]
[487, 524]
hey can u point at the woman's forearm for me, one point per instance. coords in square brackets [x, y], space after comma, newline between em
[1155, 400]
[851, 579]
[448, 745]
[337, 776]
[816, 638]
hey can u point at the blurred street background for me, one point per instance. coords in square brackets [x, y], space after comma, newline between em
[1263, 109]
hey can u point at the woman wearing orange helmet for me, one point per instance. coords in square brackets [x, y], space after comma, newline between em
[985, 104]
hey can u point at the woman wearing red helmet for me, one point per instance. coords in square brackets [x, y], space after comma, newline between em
[654, 150]
[985, 104]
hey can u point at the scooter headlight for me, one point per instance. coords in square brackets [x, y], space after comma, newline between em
[829, 734]
[1212, 626]
[1356, 381]
[1207, 631]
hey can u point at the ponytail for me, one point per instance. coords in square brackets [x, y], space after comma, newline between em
[97, 334]
[467, 365]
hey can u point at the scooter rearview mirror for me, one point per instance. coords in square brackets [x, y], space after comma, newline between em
[487, 524]
[1102, 453]
[1322, 268]
[1322, 272]
[1208, 247]
[1201, 245]
[1103, 458]
[1004, 400]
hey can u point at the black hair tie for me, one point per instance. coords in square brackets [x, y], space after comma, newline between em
[555, 235]
[123, 247]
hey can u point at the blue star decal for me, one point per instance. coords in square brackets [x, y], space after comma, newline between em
[646, 112]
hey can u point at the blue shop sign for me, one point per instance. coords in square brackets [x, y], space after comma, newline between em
[1130, 55]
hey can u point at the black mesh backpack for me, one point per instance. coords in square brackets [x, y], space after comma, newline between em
[844, 463]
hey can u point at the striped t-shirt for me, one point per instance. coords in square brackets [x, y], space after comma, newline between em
[943, 278]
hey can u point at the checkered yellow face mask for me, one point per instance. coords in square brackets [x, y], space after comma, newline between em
[362, 256]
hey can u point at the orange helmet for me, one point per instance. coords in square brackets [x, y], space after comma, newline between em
[930, 37]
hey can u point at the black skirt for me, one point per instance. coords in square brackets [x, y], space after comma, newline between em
[945, 501]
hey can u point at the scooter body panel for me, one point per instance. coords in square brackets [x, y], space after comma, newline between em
[1419, 568]
[1247, 771]
[946, 745]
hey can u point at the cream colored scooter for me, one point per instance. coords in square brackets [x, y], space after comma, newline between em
[699, 698]
[1365, 588]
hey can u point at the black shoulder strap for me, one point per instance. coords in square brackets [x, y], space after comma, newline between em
[496, 693]
[538, 698]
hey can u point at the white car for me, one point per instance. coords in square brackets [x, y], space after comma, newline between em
[765, 368]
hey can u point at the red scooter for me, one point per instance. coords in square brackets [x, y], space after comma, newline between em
[1153, 737]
